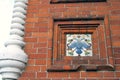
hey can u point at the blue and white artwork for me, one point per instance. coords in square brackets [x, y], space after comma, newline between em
[78, 45]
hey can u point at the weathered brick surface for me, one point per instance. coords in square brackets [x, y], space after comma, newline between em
[39, 31]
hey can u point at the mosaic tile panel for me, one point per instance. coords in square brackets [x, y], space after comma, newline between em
[78, 45]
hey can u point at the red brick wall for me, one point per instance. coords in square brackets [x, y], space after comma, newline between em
[39, 43]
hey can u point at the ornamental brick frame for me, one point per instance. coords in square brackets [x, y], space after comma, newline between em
[102, 58]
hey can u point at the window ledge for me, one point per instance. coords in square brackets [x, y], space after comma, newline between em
[80, 67]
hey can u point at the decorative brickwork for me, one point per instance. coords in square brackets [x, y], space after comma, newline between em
[100, 60]
[43, 16]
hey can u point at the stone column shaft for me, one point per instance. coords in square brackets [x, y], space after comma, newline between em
[13, 59]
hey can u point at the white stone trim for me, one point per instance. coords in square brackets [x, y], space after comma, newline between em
[13, 59]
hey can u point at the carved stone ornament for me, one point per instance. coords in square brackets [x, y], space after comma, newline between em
[13, 59]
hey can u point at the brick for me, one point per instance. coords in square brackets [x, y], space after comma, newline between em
[49, 61]
[92, 8]
[67, 67]
[37, 56]
[58, 74]
[108, 74]
[101, 8]
[116, 50]
[115, 27]
[58, 10]
[115, 12]
[73, 5]
[30, 51]
[33, 7]
[56, 79]
[32, 10]
[30, 15]
[115, 17]
[94, 74]
[43, 10]
[115, 3]
[28, 35]
[117, 61]
[117, 74]
[117, 55]
[31, 61]
[41, 24]
[116, 44]
[43, 15]
[80, 61]
[74, 9]
[30, 30]
[49, 53]
[40, 45]
[43, 29]
[63, 62]
[83, 74]
[43, 19]
[115, 32]
[91, 79]
[40, 62]
[102, 4]
[111, 61]
[97, 61]
[70, 14]
[103, 53]
[41, 74]
[114, 7]
[109, 52]
[33, 68]
[43, 68]
[101, 13]
[115, 22]
[34, 2]
[29, 46]
[76, 79]
[57, 15]
[85, 12]
[30, 39]
[50, 43]
[116, 38]
[29, 74]
[117, 68]
[42, 34]
[42, 39]
[109, 79]
[74, 74]
[42, 79]
[33, 20]
[29, 25]
[42, 50]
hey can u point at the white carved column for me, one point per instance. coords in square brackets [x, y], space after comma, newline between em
[13, 59]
